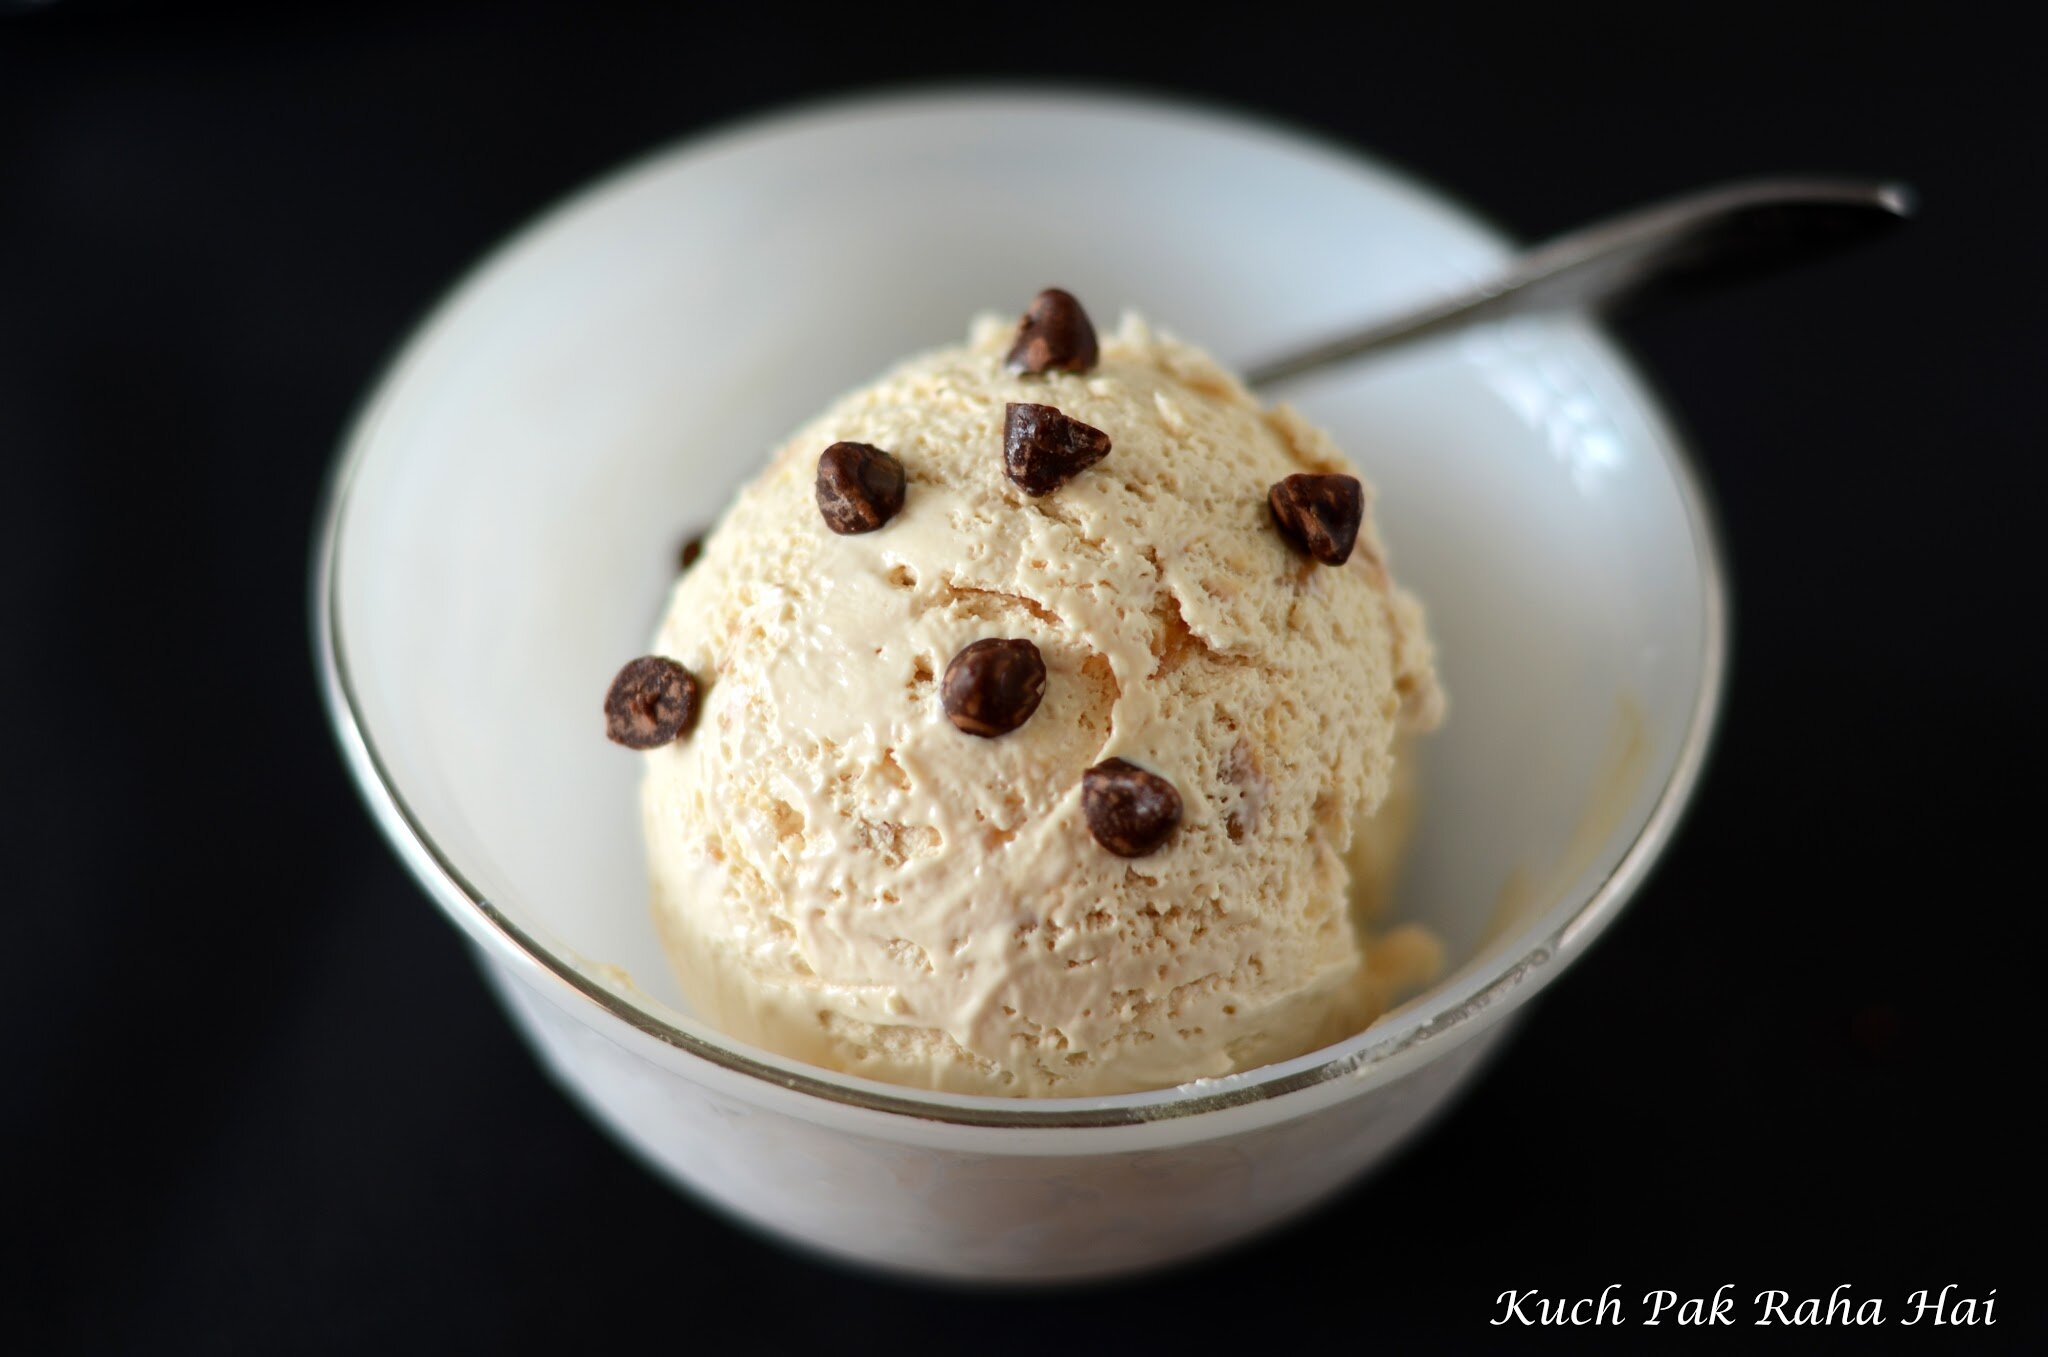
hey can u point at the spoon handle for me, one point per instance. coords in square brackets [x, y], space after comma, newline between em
[1687, 244]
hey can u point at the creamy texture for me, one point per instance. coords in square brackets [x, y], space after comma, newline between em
[843, 876]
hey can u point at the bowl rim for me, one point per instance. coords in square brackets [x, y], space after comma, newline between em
[1520, 973]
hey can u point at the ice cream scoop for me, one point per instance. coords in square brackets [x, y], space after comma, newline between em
[1050, 691]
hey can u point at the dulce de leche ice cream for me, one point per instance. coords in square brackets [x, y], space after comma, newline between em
[1030, 726]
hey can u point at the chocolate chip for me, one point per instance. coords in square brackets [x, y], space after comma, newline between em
[993, 686]
[1054, 336]
[692, 548]
[651, 702]
[1042, 447]
[1319, 515]
[859, 487]
[1130, 811]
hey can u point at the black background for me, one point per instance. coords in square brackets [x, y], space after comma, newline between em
[256, 1097]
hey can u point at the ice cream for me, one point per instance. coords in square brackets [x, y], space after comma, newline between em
[1029, 727]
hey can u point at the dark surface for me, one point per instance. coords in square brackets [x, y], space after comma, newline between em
[257, 1097]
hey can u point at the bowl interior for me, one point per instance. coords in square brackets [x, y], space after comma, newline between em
[603, 384]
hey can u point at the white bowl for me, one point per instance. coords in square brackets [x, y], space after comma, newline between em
[500, 533]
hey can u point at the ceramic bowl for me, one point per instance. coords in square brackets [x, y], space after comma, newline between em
[501, 531]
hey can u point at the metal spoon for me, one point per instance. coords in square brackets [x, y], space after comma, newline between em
[1682, 245]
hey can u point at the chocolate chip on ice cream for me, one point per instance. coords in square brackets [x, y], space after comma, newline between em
[1130, 811]
[859, 487]
[1054, 336]
[1043, 448]
[1319, 515]
[652, 702]
[993, 686]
